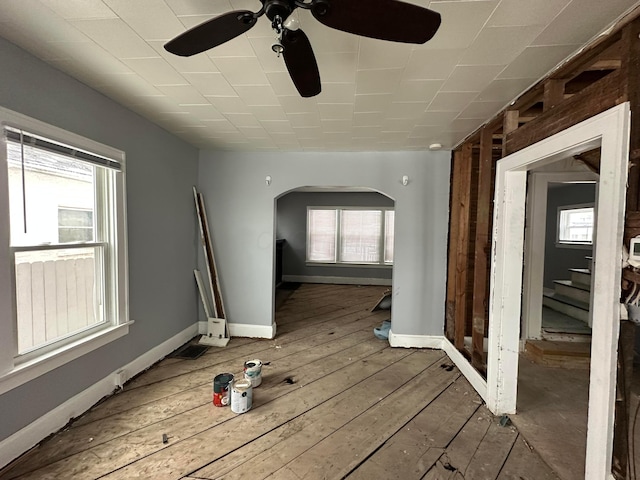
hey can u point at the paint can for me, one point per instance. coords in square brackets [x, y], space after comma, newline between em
[253, 372]
[241, 395]
[221, 389]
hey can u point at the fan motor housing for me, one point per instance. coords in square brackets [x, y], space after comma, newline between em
[278, 8]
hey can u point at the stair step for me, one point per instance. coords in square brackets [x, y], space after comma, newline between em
[577, 291]
[559, 354]
[568, 306]
[581, 275]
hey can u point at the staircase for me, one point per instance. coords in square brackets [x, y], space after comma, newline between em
[566, 337]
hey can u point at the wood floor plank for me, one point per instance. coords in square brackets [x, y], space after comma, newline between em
[354, 406]
[201, 372]
[424, 439]
[492, 452]
[73, 440]
[183, 457]
[459, 453]
[298, 436]
[524, 464]
[339, 453]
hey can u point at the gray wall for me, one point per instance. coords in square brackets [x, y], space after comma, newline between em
[241, 210]
[292, 226]
[558, 260]
[162, 232]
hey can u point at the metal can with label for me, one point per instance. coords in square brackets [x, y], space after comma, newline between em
[241, 395]
[221, 389]
[253, 372]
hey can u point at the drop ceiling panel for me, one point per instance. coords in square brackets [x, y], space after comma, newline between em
[519, 13]
[210, 84]
[116, 37]
[499, 45]
[156, 70]
[471, 78]
[161, 25]
[533, 58]
[462, 21]
[198, 7]
[242, 70]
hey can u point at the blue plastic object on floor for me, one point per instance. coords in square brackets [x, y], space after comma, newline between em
[382, 332]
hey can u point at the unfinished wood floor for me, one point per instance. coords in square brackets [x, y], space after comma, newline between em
[335, 402]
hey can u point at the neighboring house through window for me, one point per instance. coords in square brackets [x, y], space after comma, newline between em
[67, 239]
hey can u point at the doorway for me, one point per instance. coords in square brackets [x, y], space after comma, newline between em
[610, 132]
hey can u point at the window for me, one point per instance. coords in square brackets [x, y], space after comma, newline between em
[350, 235]
[575, 225]
[67, 240]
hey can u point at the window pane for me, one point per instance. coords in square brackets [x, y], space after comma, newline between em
[389, 217]
[321, 245]
[360, 236]
[576, 225]
[58, 293]
[51, 181]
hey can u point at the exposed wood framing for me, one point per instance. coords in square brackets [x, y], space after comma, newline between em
[604, 74]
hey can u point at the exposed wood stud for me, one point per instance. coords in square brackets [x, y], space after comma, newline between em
[481, 254]
[454, 228]
[511, 121]
[553, 93]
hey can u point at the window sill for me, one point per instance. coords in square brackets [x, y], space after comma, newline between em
[577, 246]
[349, 265]
[27, 371]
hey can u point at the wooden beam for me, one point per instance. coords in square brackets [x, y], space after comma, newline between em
[594, 99]
[462, 244]
[553, 93]
[481, 254]
[630, 72]
[454, 228]
[511, 122]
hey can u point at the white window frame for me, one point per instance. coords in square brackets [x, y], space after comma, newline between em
[574, 244]
[15, 369]
[339, 261]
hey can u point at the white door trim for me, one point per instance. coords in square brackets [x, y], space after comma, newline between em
[609, 131]
[534, 249]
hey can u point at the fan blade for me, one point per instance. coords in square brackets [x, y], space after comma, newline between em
[301, 62]
[383, 19]
[211, 33]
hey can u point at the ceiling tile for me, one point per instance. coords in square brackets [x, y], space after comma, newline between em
[210, 84]
[499, 45]
[378, 54]
[281, 83]
[406, 109]
[151, 19]
[368, 119]
[565, 30]
[434, 118]
[268, 59]
[200, 63]
[184, 94]
[330, 111]
[307, 132]
[237, 47]
[337, 92]
[471, 78]
[155, 71]
[269, 113]
[203, 112]
[243, 119]
[232, 104]
[242, 70]
[416, 90]
[258, 95]
[431, 64]
[461, 22]
[254, 132]
[304, 120]
[481, 110]
[277, 126]
[337, 67]
[372, 103]
[505, 90]
[519, 13]
[199, 7]
[297, 104]
[532, 60]
[377, 81]
[115, 36]
[451, 101]
[79, 9]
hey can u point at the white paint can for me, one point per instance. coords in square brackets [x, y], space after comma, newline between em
[253, 372]
[241, 396]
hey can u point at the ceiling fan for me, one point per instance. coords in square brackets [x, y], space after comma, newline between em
[391, 20]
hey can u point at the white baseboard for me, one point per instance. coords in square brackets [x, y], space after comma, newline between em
[470, 373]
[244, 330]
[21, 441]
[415, 341]
[337, 280]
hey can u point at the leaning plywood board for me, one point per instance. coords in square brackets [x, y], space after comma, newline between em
[217, 334]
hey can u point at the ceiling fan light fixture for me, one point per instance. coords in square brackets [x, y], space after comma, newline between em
[291, 23]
